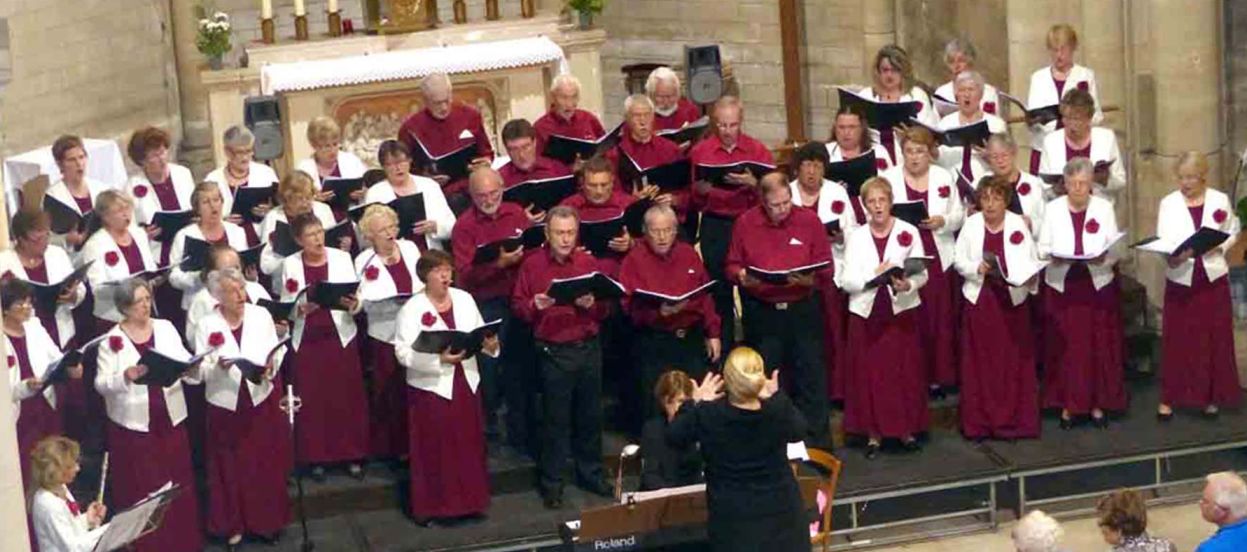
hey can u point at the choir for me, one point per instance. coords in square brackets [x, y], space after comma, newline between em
[947, 267]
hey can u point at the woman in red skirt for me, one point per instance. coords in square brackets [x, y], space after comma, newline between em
[146, 436]
[885, 388]
[332, 425]
[1198, 369]
[1083, 365]
[999, 388]
[448, 474]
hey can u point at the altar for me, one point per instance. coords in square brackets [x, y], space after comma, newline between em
[369, 83]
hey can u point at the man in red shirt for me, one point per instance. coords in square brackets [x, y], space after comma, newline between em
[680, 335]
[599, 200]
[565, 117]
[510, 377]
[719, 207]
[640, 149]
[442, 127]
[520, 139]
[673, 110]
[569, 358]
[783, 322]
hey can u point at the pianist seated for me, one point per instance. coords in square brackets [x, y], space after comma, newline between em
[663, 464]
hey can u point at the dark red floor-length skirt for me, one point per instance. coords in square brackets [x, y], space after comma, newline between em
[885, 391]
[36, 420]
[835, 337]
[937, 319]
[1198, 367]
[246, 479]
[1083, 345]
[332, 425]
[999, 387]
[387, 401]
[448, 473]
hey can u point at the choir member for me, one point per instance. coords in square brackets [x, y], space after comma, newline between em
[643, 150]
[332, 425]
[328, 159]
[1198, 369]
[851, 138]
[895, 83]
[443, 126]
[296, 195]
[449, 478]
[600, 200]
[680, 335]
[565, 118]
[33, 259]
[664, 465]
[509, 377]
[526, 162]
[959, 56]
[221, 256]
[388, 270]
[966, 162]
[59, 523]
[726, 144]
[1083, 337]
[74, 188]
[885, 386]
[118, 250]
[919, 180]
[31, 353]
[671, 110]
[1080, 139]
[999, 388]
[1001, 153]
[246, 479]
[830, 202]
[241, 171]
[752, 496]
[1049, 84]
[570, 358]
[146, 437]
[159, 186]
[429, 233]
[784, 322]
[210, 226]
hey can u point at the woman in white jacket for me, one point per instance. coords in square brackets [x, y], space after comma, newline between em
[895, 83]
[399, 182]
[1049, 84]
[448, 474]
[1080, 139]
[329, 160]
[241, 171]
[33, 259]
[296, 195]
[117, 250]
[1198, 369]
[212, 228]
[59, 522]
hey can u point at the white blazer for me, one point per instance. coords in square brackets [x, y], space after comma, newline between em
[1057, 235]
[1042, 93]
[57, 529]
[1031, 196]
[833, 204]
[57, 264]
[42, 352]
[949, 207]
[259, 176]
[60, 192]
[259, 336]
[203, 304]
[98, 249]
[1103, 148]
[950, 157]
[349, 166]
[926, 114]
[990, 96]
[189, 282]
[382, 315]
[1174, 225]
[435, 206]
[861, 260]
[836, 155]
[270, 261]
[126, 402]
[1021, 256]
[341, 269]
[426, 371]
[146, 204]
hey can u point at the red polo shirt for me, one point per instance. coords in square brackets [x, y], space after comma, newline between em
[443, 136]
[798, 240]
[473, 229]
[676, 273]
[685, 113]
[542, 168]
[718, 201]
[582, 124]
[658, 151]
[591, 212]
[559, 323]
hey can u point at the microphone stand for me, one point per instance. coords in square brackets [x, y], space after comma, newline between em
[291, 405]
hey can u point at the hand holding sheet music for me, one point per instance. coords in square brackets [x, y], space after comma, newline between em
[1198, 243]
[1093, 254]
[783, 277]
[910, 267]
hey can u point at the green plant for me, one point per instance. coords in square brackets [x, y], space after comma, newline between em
[1241, 211]
[213, 36]
[586, 6]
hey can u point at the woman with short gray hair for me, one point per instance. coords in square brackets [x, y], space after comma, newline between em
[960, 56]
[241, 171]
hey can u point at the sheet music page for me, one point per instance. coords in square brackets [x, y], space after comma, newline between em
[642, 496]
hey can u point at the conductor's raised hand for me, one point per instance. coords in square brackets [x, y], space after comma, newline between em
[709, 389]
[770, 387]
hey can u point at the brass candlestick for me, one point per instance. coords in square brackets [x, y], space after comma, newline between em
[528, 9]
[335, 23]
[491, 10]
[300, 27]
[461, 12]
[268, 31]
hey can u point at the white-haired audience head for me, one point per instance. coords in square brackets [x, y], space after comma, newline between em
[565, 94]
[663, 86]
[1037, 532]
[1224, 501]
[436, 90]
[639, 112]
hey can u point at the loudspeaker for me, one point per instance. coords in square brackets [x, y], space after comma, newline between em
[262, 115]
[704, 73]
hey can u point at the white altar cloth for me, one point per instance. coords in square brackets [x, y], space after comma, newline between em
[104, 163]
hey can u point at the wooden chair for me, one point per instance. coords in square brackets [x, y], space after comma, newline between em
[831, 465]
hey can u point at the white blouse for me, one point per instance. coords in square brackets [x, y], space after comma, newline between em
[41, 352]
[1103, 148]
[426, 371]
[190, 282]
[259, 336]
[1021, 257]
[110, 268]
[1174, 225]
[341, 269]
[376, 287]
[1042, 93]
[833, 204]
[146, 204]
[203, 304]
[126, 402]
[57, 264]
[861, 258]
[943, 199]
[1057, 235]
[57, 528]
[435, 206]
[270, 261]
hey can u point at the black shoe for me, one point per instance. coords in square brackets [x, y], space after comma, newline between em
[552, 501]
[1100, 421]
[872, 451]
[1164, 417]
[597, 487]
[1067, 423]
[911, 445]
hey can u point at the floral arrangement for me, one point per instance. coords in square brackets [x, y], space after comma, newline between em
[586, 6]
[212, 39]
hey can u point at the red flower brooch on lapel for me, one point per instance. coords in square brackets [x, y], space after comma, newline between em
[1083, 85]
[1219, 216]
[1016, 237]
[837, 206]
[12, 361]
[989, 107]
[291, 285]
[881, 164]
[945, 191]
[1093, 226]
[905, 239]
[140, 192]
[428, 319]
[217, 339]
[371, 273]
[1024, 189]
[111, 258]
[115, 343]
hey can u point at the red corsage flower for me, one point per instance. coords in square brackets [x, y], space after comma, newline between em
[881, 164]
[111, 258]
[140, 191]
[1093, 226]
[8, 275]
[115, 343]
[1084, 86]
[1024, 189]
[1016, 238]
[371, 273]
[217, 339]
[905, 239]
[837, 206]
[945, 191]
[1219, 216]
[291, 285]
[12, 361]
[989, 107]
[428, 319]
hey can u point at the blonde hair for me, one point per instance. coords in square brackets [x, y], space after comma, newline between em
[323, 130]
[1062, 34]
[201, 190]
[876, 184]
[744, 374]
[49, 460]
[108, 199]
[374, 216]
[296, 184]
[1194, 160]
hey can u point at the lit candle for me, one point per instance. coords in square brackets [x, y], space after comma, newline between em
[266, 9]
[299, 8]
[333, 6]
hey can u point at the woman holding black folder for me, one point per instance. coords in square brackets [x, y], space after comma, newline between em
[438, 222]
[241, 171]
[116, 252]
[146, 434]
[210, 229]
[296, 194]
[895, 83]
[1198, 369]
[33, 259]
[445, 421]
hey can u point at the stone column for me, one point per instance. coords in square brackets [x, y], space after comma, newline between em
[196, 147]
[878, 30]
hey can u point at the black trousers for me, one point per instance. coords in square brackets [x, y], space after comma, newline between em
[716, 236]
[510, 379]
[789, 336]
[656, 352]
[571, 396]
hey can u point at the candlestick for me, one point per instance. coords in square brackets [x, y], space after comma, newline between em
[268, 31]
[266, 9]
[300, 27]
[299, 8]
[491, 10]
[335, 23]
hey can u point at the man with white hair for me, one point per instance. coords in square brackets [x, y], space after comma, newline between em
[639, 149]
[671, 110]
[565, 117]
[1037, 532]
[442, 127]
[1224, 503]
